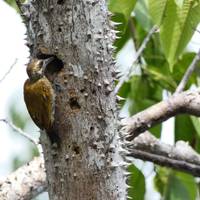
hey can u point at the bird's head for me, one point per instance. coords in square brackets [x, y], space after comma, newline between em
[35, 69]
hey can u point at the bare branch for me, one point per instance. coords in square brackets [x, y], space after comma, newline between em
[30, 180]
[188, 73]
[26, 182]
[147, 147]
[138, 54]
[181, 156]
[8, 72]
[185, 102]
[24, 134]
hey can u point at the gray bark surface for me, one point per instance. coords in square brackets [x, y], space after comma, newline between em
[86, 163]
[25, 183]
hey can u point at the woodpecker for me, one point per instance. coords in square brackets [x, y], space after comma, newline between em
[39, 95]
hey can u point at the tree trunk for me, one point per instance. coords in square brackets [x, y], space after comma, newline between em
[85, 163]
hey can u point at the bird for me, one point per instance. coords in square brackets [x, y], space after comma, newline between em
[39, 95]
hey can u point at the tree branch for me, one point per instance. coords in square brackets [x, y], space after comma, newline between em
[26, 182]
[9, 70]
[186, 102]
[30, 180]
[24, 134]
[181, 156]
[188, 73]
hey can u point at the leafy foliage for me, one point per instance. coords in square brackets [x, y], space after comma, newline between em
[136, 180]
[177, 24]
[184, 128]
[157, 10]
[174, 185]
[162, 65]
[124, 7]
[177, 28]
[122, 16]
[12, 3]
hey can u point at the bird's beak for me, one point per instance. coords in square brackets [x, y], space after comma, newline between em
[47, 61]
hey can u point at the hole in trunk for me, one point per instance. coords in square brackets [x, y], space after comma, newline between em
[73, 102]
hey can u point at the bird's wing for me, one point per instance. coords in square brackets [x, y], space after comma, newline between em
[39, 99]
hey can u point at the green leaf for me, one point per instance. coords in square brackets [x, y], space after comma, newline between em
[178, 27]
[174, 185]
[136, 95]
[167, 29]
[196, 140]
[142, 15]
[184, 129]
[180, 187]
[196, 124]
[124, 7]
[123, 32]
[156, 130]
[157, 9]
[143, 87]
[139, 32]
[124, 90]
[137, 182]
[197, 145]
[175, 190]
[122, 15]
[167, 79]
[189, 183]
[161, 179]
[13, 4]
[180, 68]
[162, 76]
[151, 93]
[179, 2]
[153, 54]
[135, 85]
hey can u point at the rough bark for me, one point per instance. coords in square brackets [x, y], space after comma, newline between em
[182, 103]
[180, 156]
[25, 183]
[146, 147]
[85, 164]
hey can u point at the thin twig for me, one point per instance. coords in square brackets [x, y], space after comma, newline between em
[138, 53]
[188, 73]
[6, 74]
[18, 130]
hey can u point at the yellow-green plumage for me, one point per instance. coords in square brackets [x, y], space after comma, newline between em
[39, 98]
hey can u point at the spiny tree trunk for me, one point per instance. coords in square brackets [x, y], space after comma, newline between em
[86, 163]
